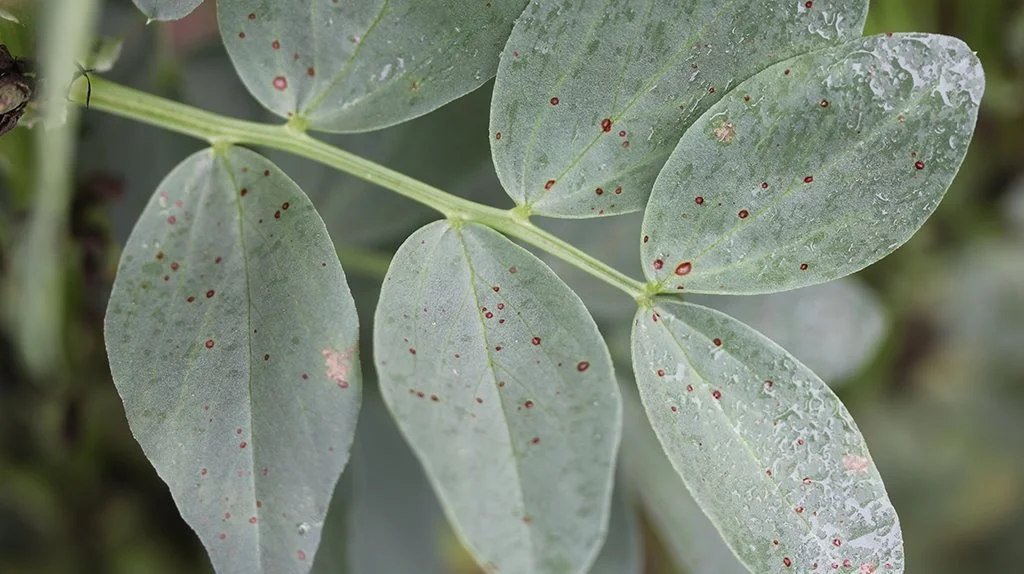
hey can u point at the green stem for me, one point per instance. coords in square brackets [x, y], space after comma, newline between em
[220, 130]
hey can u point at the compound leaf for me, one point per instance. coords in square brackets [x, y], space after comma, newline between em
[359, 66]
[814, 168]
[592, 97]
[232, 339]
[502, 385]
[764, 446]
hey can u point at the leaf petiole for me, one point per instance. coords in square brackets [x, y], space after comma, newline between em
[219, 130]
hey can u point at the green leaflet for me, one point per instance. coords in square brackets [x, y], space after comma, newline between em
[232, 339]
[167, 9]
[359, 66]
[501, 383]
[814, 168]
[592, 97]
[766, 449]
[390, 483]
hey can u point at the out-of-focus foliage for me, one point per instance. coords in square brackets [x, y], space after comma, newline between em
[941, 402]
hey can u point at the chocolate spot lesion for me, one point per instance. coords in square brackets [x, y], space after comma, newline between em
[725, 132]
[338, 365]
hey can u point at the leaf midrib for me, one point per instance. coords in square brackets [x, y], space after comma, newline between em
[629, 106]
[877, 130]
[731, 424]
[490, 366]
[318, 98]
[248, 333]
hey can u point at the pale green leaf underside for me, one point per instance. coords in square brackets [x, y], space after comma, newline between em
[167, 9]
[834, 328]
[232, 339]
[649, 68]
[764, 446]
[501, 383]
[814, 168]
[357, 66]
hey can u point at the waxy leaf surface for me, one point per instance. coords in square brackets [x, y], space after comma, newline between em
[592, 97]
[358, 66]
[501, 383]
[815, 168]
[167, 9]
[764, 446]
[232, 339]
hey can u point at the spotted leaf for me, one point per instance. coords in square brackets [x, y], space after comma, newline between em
[232, 339]
[814, 168]
[766, 449]
[592, 97]
[502, 385]
[359, 66]
[167, 9]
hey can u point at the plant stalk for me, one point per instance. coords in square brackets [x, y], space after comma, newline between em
[221, 130]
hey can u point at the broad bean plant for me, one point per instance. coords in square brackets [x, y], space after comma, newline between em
[769, 145]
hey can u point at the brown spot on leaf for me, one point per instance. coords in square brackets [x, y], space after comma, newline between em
[338, 364]
[725, 132]
[855, 463]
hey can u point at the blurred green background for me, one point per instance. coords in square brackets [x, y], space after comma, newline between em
[926, 347]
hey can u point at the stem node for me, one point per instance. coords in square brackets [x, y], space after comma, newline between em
[291, 137]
